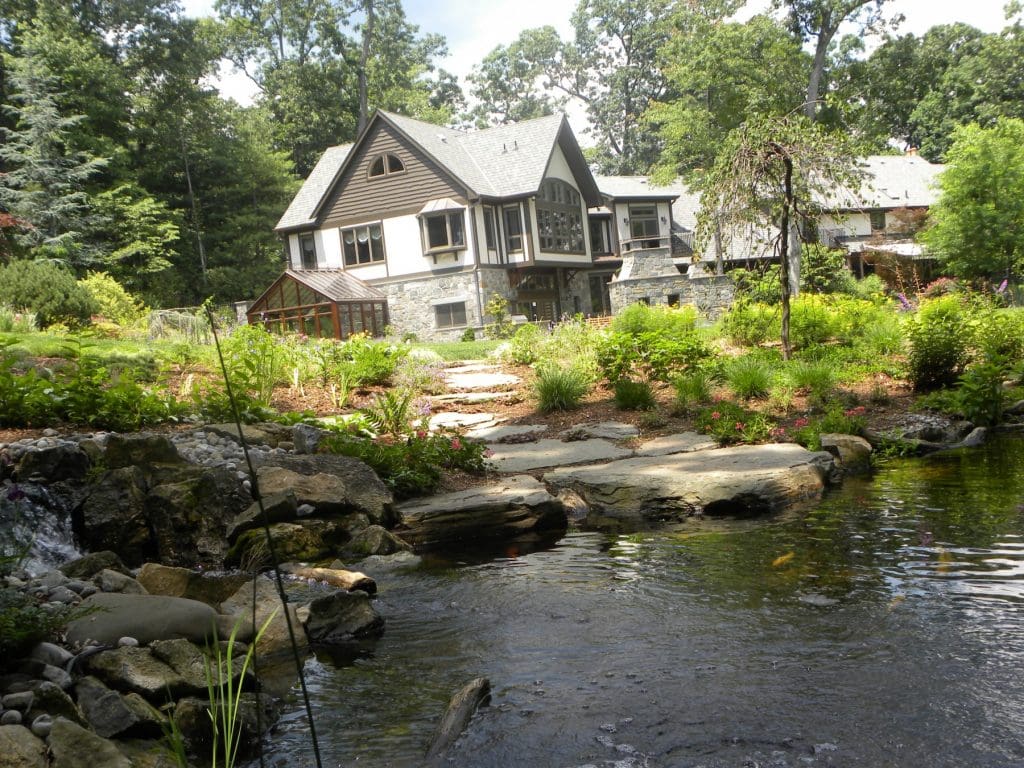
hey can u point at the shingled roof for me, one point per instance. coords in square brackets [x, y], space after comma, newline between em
[890, 181]
[501, 162]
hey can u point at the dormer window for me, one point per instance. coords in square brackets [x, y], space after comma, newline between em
[385, 165]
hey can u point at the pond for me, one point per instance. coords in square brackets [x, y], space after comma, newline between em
[883, 626]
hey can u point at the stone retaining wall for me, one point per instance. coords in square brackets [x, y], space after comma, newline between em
[711, 295]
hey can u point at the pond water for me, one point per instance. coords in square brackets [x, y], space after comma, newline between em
[882, 627]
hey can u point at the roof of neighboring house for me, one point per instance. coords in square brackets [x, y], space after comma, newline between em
[302, 209]
[623, 187]
[505, 161]
[891, 181]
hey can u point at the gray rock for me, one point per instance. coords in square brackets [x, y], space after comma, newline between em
[89, 565]
[106, 710]
[41, 726]
[112, 518]
[576, 508]
[127, 642]
[72, 746]
[457, 715]
[21, 701]
[266, 433]
[305, 540]
[65, 461]
[507, 433]
[275, 639]
[112, 581]
[279, 508]
[684, 442]
[741, 480]
[363, 492]
[1017, 409]
[20, 748]
[11, 717]
[851, 451]
[144, 617]
[976, 438]
[551, 453]
[375, 540]
[139, 449]
[191, 663]
[193, 720]
[606, 430]
[50, 699]
[209, 588]
[342, 617]
[57, 676]
[49, 653]
[64, 596]
[306, 438]
[514, 506]
[136, 670]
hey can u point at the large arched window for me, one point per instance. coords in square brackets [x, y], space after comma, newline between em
[560, 218]
[385, 165]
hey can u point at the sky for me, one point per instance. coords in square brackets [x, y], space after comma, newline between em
[475, 27]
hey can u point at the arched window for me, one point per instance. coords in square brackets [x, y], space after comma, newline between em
[385, 165]
[560, 218]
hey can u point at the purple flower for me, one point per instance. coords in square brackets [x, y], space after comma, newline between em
[14, 493]
[1002, 286]
[903, 301]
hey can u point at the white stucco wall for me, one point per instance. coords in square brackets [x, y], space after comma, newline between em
[328, 249]
[855, 224]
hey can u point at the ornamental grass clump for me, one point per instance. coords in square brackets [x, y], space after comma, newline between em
[634, 395]
[691, 390]
[749, 377]
[816, 378]
[559, 389]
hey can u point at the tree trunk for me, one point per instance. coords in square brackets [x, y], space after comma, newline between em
[193, 203]
[719, 256]
[364, 60]
[787, 206]
[817, 70]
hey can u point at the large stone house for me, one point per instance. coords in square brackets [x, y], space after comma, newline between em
[416, 226]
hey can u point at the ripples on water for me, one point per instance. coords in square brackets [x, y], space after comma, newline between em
[883, 627]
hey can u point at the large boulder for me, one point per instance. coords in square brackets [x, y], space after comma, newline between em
[375, 540]
[111, 714]
[266, 433]
[852, 452]
[209, 588]
[275, 639]
[141, 449]
[112, 516]
[73, 746]
[350, 485]
[341, 617]
[136, 670]
[192, 717]
[65, 461]
[512, 507]
[278, 508]
[21, 749]
[111, 616]
[89, 565]
[741, 480]
[305, 540]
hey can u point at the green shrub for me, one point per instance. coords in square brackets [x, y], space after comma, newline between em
[650, 356]
[560, 389]
[411, 466]
[812, 321]
[980, 395]
[729, 423]
[468, 335]
[113, 301]
[757, 286]
[634, 395]
[1001, 332]
[525, 346]
[637, 319]
[808, 432]
[750, 324]
[692, 389]
[373, 362]
[24, 622]
[501, 326]
[815, 378]
[823, 270]
[256, 361]
[749, 376]
[48, 290]
[939, 337]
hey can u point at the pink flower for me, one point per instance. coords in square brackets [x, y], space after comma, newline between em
[740, 426]
[421, 433]
[456, 444]
[488, 453]
[801, 422]
[716, 415]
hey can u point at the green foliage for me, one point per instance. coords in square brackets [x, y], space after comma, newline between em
[525, 346]
[12, 321]
[691, 389]
[749, 376]
[836, 420]
[468, 335]
[638, 319]
[48, 290]
[824, 270]
[256, 361]
[939, 338]
[816, 378]
[421, 373]
[759, 286]
[649, 355]
[813, 321]
[411, 466]
[980, 394]
[25, 622]
[559, 389]
[501, 325]
[391, 413]
[634, 395]
[374, 362]
[113, 302]
[977, 226]
[750, 324]
[461, 350]
[729, 423]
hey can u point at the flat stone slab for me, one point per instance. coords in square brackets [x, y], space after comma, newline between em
[737, 481]
[479, 380]
[471, 366]
[469, 397]
[684, 442]
[512, 507]
[454, 420]
[541, 454]
[607, 430]
[501, 432]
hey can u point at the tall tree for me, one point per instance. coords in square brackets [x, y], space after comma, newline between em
[977, 227]
[45, 180]
[818, 21]
[768, 176]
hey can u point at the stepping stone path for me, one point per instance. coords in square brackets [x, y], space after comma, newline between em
[455, 420]
[478, 376]
[607, 430]
[552, 453]
[469, 397]
[684, 442]
[507, 432]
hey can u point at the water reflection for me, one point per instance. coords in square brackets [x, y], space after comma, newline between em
[881, 627]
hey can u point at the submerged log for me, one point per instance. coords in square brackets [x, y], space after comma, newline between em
[456, 717]
[336, 577]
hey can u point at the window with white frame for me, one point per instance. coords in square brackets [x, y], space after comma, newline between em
[307, 251]
[362, 245]
[560, 218]
[450, 315]
[513, 228]
[443, 231]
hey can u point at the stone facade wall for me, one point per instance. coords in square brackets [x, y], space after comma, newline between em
[411, 304]
[711, 294]
[650, 262]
